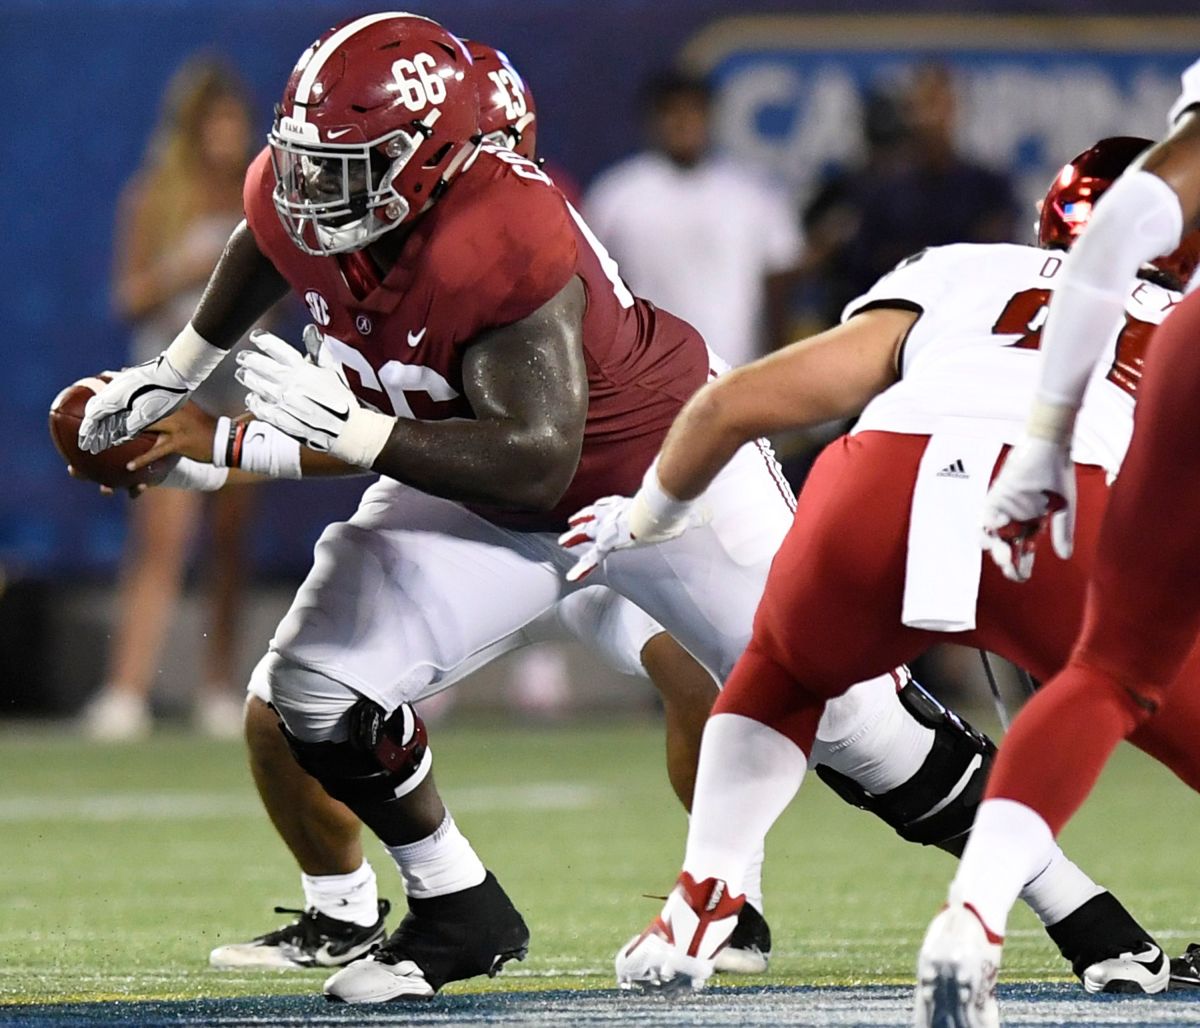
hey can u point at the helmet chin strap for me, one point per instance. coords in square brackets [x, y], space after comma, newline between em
[343, 238]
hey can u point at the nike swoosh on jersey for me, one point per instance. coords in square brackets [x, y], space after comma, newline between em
[414, 338]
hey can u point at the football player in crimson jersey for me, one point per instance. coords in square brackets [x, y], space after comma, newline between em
[883, 555]
[343, 917]
[1128, 672]
[448, 281]
[472, 339]
[322, 834]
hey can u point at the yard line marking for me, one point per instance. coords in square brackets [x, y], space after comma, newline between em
[186, 806]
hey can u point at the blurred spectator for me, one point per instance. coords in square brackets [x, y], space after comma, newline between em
[913, 190]
[694, 232]
[173, 221]
[833, 216]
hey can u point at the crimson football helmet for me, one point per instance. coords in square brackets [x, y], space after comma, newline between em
[378, 116]
[507, 114]
[1080, 184]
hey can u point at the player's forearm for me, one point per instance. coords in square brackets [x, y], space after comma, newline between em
[242, 288]
[1138, 220]
[707, 433]
[488, 461]
[325, 465]
[829, 376]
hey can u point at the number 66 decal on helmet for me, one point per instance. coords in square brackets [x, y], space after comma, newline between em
[378, 116]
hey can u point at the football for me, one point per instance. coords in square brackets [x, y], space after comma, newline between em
[108, 466]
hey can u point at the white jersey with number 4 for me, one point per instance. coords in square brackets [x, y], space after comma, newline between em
[970, 363]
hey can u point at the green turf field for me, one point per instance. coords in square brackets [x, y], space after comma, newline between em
[124, 865]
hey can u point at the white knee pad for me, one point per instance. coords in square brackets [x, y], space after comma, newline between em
[867, 735]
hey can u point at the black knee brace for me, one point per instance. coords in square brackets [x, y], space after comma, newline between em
[383, 758]
[937, 805]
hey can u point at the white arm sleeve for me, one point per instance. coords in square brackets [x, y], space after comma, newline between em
[1139, 219]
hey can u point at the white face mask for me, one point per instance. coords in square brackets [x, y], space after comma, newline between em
[330, 198]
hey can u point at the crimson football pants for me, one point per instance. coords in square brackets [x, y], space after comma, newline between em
[1134, 663]
[830, 613]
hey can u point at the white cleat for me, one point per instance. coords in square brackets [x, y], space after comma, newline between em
[371, 981]
[676, 951]
[1147, 971]
[651, 963]
[956, 972]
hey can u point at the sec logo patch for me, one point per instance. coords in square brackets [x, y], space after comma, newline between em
[317, 306]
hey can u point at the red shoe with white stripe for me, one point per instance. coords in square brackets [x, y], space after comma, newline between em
[677, 949]
[956, 972]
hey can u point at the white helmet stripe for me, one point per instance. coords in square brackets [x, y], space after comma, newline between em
[317, 61]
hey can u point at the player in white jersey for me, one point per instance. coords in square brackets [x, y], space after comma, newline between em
[883, 556]
[1131, 670]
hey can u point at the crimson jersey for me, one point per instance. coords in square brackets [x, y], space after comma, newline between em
[500, 244]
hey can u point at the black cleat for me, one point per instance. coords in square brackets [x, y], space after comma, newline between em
[312, 940]
[1185, 970]
[1109, 950]
[749, 948]
[444, 939]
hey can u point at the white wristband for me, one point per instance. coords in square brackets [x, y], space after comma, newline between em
[364, 436]
[195, 476]
[654, 511]
[1051, 422]
[222, 437]
[192, 356]
[257, 447]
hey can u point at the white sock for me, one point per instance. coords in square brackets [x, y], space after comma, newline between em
[1059, 889]
[752, 884]
[748, 774]
[439, 864]
[869, 736]
[350, 897]
[1009, 844]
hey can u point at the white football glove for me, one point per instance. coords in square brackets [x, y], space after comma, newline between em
[1036, 484]
[139, 396]
[134, 399]
[310, 403]
[619, 522]
[595, 532]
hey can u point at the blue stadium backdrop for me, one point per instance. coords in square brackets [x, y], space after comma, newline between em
[82, 79]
